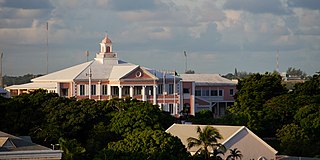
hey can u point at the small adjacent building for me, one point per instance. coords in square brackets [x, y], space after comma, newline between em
[240, 137]
[207, 92]
[12, 147]
[106, 77]
[4, 93]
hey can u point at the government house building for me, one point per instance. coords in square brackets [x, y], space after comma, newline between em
[107, 77]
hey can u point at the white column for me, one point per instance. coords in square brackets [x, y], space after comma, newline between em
[154, 94]
[99, 90]
[131, 91]
[143, 92]
[193, 98]
[58, 88]
[109, 90]
[120, 91]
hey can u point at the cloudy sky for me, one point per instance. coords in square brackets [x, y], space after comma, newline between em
[218, 35]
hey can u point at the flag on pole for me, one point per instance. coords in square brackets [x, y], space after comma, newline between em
[185, 53]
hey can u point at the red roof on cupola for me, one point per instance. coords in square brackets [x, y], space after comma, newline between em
[106, 40]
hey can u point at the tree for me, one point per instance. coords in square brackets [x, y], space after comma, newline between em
[71, 149]
[204, 117]
[207, 138]
[147, 144]
[234, 154]
[252, 94]
[310, 87]
[292, 72]
[138, 118]
[293, 139]
[280, 110]
[23, 113]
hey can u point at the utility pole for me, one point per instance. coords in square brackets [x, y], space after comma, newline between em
[90, 75]
[277, 59]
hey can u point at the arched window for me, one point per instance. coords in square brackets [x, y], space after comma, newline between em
[108, 49]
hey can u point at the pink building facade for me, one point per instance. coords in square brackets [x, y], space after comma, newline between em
[107, 77]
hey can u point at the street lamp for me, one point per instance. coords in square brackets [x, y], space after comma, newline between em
[54, 145]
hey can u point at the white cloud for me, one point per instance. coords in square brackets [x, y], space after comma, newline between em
[216, 31]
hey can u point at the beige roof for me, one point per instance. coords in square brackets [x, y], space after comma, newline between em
[207, 79]
[184, 131]
[230, 134]
[33, 86]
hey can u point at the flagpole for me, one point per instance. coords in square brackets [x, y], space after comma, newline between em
[164, 88]
[1, 78]
[185, 54]
[47, 46]
[174, 91]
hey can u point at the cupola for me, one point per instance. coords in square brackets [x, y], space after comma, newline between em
[106, 45]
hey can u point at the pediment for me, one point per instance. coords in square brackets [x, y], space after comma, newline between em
[138, 74]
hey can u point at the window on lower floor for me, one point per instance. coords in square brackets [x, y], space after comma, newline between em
[126, 90]
[93, 89]
[115, 91]
[160, 89]
[214, 92]
[171, 109]
[205, 93]
[64, 92]
[198, 93]
[137, 90]
[104, 89]
[186, 90]
[231, 92]
[220, 92]
[81, 90]
[171, 89]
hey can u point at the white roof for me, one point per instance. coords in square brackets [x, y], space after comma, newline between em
[65, 74]
[120, 71]
[33, 86]
[207, 79]
[101, 69]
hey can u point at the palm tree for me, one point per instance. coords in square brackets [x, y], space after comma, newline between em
[71, 148]
[234, 154]
[208, 137]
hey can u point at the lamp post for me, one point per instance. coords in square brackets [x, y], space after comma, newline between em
[53, 145]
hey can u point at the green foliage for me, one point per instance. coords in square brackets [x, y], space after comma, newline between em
[292, 72]
[252, 94]
[280, 110]
[71, 149]
[293, 139]
[147, 144]
[138, 118]
[310, 87]
[204, 117]
[207, 139]
[11, 80]
[23, 113]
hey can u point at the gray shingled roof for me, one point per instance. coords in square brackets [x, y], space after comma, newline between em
[19, 144]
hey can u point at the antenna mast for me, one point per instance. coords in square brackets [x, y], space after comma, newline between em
[277, 59]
